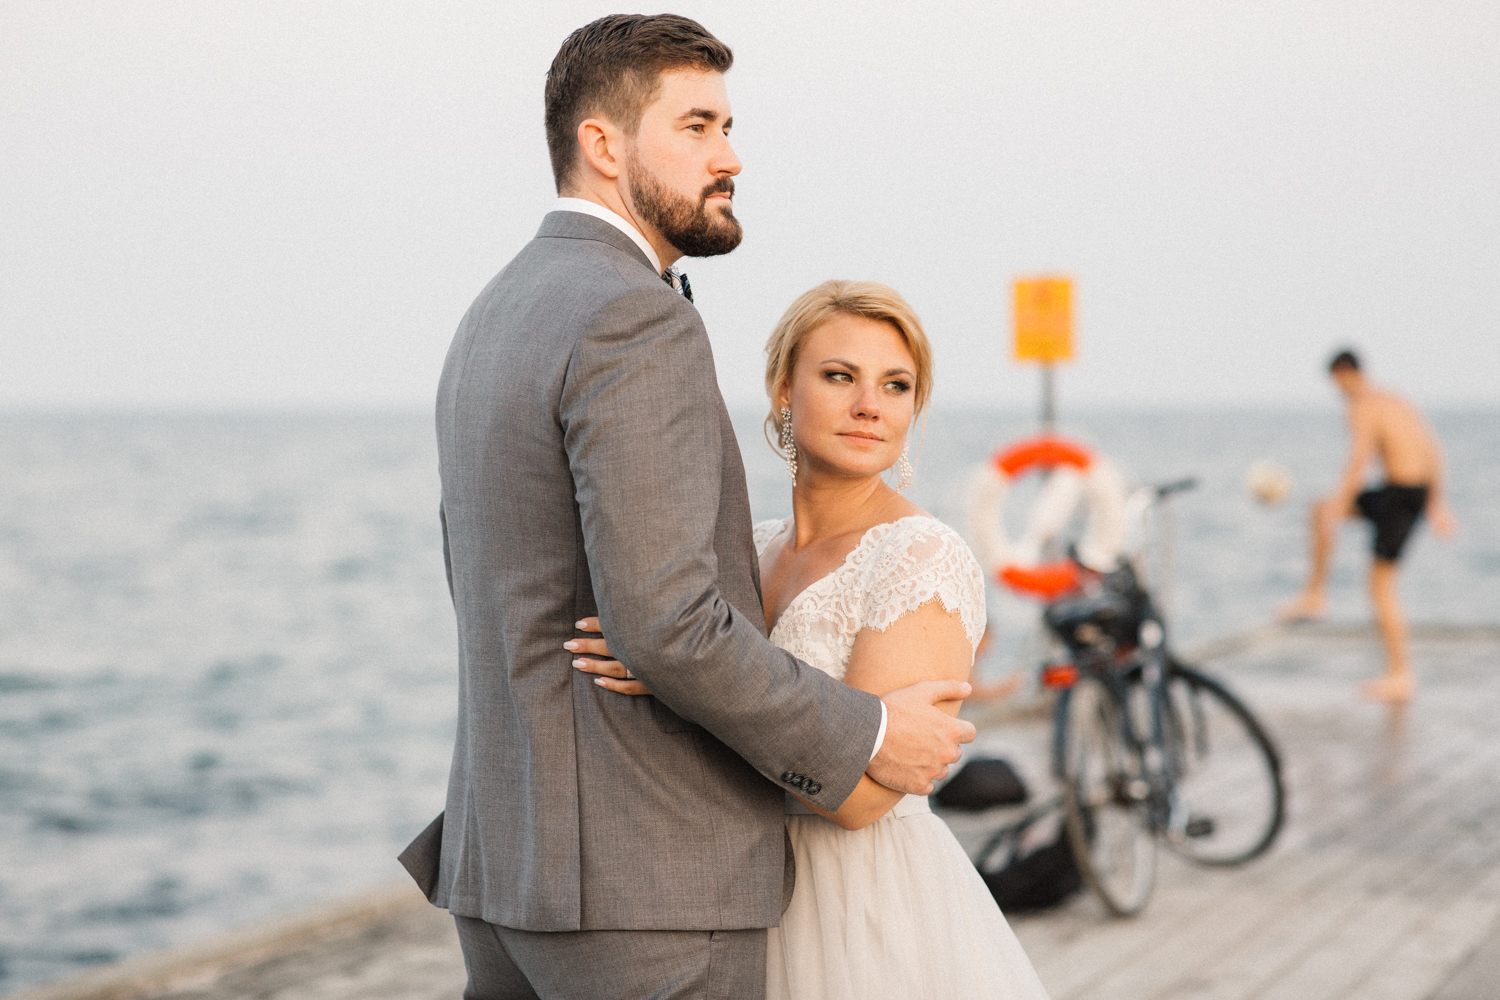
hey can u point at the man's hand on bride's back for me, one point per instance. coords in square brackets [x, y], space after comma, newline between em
[921, 740]
[594, 658]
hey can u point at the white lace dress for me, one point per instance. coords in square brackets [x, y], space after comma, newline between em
[896, 909]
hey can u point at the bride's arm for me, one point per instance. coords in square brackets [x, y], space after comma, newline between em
[928, 644]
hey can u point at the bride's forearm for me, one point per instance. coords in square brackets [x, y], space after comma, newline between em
[869, 801]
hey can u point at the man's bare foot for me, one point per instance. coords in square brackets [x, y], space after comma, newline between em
[1306, 608]
[1003, 688]
[1390, 688]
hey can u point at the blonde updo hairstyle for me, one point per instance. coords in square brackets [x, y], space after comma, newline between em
[813, 308]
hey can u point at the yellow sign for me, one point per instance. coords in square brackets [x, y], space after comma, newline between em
[1044, 319]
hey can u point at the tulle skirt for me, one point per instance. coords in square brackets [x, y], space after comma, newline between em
[895, 910]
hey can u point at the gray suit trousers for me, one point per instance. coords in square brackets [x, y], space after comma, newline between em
[508, 964]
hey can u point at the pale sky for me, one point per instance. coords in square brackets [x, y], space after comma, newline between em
[275, 203]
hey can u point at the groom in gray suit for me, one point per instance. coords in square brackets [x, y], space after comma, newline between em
[595, 845]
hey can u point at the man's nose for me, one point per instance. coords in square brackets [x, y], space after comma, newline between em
[725, 163]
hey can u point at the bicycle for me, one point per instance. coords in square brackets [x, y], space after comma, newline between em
[1148, 749]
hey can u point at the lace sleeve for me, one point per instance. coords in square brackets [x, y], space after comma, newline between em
[764, 532]
[922, 559]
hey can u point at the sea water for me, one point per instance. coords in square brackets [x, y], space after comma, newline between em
[227, 671]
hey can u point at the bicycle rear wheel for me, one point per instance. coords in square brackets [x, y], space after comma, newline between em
[1230, 802]
[1105, 795]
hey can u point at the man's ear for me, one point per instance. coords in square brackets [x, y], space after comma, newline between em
[600, 144]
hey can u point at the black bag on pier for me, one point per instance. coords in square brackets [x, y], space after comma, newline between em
[980, 784]
[1029, 864]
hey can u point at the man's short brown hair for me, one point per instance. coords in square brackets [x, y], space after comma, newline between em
[1345, 360]
[611, 68]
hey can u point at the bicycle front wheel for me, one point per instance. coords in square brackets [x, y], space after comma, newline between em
[1229, 802]
[1105, 798]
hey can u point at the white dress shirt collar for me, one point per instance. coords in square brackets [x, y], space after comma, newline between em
[619, 222]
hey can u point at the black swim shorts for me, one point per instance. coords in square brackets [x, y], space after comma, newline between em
[1394, 511]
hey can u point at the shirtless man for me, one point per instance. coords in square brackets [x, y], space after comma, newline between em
[1384, 425]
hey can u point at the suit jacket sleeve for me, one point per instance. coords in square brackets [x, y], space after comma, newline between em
[640, 412]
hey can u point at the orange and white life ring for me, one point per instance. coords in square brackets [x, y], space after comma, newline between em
[1075, 473]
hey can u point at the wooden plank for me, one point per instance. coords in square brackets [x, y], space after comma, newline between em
[1426, 957]
[1475, 977]
[1237, 911]
[1309, 922]
[1364, 930]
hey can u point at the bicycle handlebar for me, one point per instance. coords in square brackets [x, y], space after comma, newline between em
[1178, 486]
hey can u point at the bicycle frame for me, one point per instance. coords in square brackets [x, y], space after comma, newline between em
[1147, 725]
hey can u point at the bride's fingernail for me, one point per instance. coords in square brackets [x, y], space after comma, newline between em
[599, 681]
[580, 663]
[571, 644]
[580, 624]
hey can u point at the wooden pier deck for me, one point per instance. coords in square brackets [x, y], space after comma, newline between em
[1385, 884]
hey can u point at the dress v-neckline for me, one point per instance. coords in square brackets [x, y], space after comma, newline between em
[863, 539]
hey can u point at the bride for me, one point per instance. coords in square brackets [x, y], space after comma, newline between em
[865, 585]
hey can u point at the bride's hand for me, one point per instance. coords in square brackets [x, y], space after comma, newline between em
[612, 673]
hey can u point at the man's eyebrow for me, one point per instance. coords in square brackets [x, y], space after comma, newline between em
[704, 113]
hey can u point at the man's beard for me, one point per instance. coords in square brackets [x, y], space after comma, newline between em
[692, 229]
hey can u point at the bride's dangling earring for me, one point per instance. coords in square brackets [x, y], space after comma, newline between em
[789, 444]
[904, 464]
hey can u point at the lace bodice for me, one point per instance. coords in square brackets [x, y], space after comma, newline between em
[895, 569]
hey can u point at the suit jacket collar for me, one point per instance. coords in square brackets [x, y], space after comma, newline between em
[577, 226]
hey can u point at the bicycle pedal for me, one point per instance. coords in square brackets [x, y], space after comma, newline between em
[1199, 826]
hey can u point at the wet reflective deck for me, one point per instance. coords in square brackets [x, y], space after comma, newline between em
[1384, 884]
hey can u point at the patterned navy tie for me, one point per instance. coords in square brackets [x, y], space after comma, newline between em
[679, 282]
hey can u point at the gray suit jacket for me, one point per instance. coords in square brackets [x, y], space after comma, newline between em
[589, 467]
